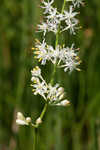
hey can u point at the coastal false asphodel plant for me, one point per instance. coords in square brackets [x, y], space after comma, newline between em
[60, 56]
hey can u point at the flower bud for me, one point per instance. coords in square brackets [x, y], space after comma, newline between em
[38, 121]
[28, 119]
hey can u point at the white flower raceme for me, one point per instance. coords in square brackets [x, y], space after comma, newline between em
[53, 94]
[21, 120]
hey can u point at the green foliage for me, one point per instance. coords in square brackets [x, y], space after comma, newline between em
[76, 127]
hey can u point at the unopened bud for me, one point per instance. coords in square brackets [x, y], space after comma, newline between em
[28, 119]
[38, 121]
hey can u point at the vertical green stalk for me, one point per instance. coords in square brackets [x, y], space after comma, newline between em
[52, 80]
[36, 128]
[57, 146]
[56, 43]
[43, 111]
[34, 144]
[63, 7]
[35, 139]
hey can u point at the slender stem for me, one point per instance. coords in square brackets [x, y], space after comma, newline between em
[53, 74]
[57, 38]
[63, 7]
[52, 80]
[43, 111]
[35, 139]
[56, 43]
[34, 144]
[36, 127]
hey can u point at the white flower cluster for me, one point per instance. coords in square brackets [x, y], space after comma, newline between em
[62, 56]
[54, 95]
[54, 18]
[21, 120]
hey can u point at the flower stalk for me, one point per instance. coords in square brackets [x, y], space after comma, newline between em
[60, 56]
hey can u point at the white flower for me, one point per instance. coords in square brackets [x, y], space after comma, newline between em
[52, 92]
[36, 71]
[70, 65]
[38, 83]
[70, 52]
[47, 6]
[40, 45]
[70, 15]
[53, 25]
[35, 79]
[70, 20]
[55, 94]
[52, 14]
[46, 52]
[68, 58]
[40, 88]
[42, 52]
[76, 3]
[21, 120]
[43, 27]
[55, 54]
[71, 25]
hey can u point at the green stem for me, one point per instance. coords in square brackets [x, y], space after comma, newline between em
[57, 35]
[43, 111]
[56, 43]
[35, 139]
[52, 80]
[34, 144]
[53, 74]
[63, 7]
[57, 38]
[36, 126]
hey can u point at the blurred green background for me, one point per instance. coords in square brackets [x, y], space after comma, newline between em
[73, 128]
